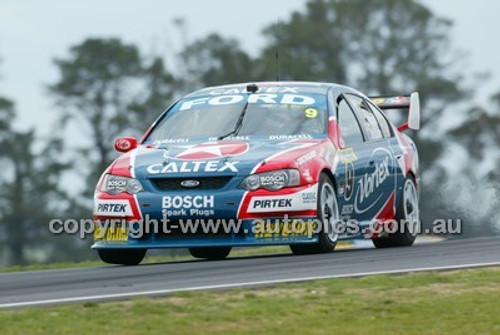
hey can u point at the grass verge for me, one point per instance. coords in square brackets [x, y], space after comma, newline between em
[459, 302]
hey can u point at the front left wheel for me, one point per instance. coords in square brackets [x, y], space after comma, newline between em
[122, 256]
[211, 253]
[328, 215]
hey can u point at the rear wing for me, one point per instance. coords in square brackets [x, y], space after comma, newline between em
[410, 102]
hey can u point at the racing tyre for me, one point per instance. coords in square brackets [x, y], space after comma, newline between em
[122, 256]
[328, 214]
[211, 253]
[407, 216]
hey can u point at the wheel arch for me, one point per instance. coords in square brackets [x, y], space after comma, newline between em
[416, 181]
[413, 176]
[331, 176]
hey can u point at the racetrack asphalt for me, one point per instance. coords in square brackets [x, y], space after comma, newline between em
[23, 289]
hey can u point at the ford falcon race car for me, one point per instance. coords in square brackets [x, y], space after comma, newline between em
[277, 163]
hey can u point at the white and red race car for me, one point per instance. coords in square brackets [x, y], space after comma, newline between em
[295, 163]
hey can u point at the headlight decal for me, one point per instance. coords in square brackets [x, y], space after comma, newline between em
[123, 167]
[272, 180]
[113, 185]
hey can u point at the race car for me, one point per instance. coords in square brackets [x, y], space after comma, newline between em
[273, 163]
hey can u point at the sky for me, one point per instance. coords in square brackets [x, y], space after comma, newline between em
[33, 33]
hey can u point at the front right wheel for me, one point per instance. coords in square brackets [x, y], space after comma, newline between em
[328, 215]
[210, 253]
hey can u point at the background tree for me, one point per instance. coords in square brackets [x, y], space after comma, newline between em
[157, 91]
[477, 197]
[30, 190]
[369, 45]
[107, 89]
[6, 117]
[215, 60]
[380, 47]
[308, 46]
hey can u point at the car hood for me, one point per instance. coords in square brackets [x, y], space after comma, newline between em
[219, 158]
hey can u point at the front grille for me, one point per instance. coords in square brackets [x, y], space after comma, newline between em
[206, 183]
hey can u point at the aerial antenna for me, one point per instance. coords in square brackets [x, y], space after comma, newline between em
[290, 63]
[277, 53]
[277, 59]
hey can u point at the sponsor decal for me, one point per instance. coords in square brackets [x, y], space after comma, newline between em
[290, 137]
[307, 157]
[370, 182]
[235, 90]
[349, 184]
[114, 233]
[213, 150]
[231, 138]
[214, 166]
[272, 203]
[309, 197]
[392, 101]
[220, 100]
[283, 230]
[197, 205]
[157, 144]
[300, 201]
[277, 179]
[370, 186]
[346, 212]
[347, 156]
[120, 208]
[311, 113]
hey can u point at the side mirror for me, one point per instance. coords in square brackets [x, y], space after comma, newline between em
[414, 114]
[125, 144]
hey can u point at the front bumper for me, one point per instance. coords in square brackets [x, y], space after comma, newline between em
[221, 207]
[244, 237]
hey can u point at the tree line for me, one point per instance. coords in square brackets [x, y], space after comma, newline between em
[107, 87]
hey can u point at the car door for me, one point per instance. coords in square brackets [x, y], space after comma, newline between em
[395, 145]
[375, 168]
[352, 151]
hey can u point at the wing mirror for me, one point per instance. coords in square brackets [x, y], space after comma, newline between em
[125, 144]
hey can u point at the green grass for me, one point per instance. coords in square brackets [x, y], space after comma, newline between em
[460, 302]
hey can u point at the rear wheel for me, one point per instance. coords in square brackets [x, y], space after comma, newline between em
[407, 217]
[122, 256]
[328, 215]
[212, 253]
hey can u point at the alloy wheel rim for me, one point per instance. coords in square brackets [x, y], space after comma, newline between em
[329, 208]
[411, 211]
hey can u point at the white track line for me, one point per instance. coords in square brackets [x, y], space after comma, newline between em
[244, 284]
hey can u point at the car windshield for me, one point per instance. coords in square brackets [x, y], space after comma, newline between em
[266, 115]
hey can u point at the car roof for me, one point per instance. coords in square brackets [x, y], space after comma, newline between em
[273, 87]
